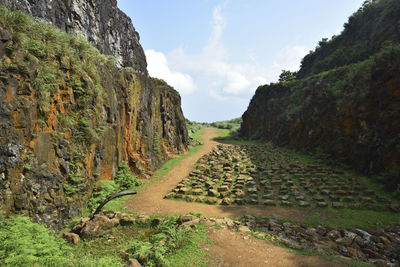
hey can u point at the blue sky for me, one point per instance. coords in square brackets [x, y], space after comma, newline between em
[216, 53]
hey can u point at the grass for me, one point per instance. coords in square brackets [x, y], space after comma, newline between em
[198, 134]
[193, 254]
[225, 137]
[113, 248]
[347, 218]
[217, 226]
[108, 248]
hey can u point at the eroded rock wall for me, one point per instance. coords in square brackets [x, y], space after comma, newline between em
[351, 113]
[102, 23]
[46, 172]
[69, 116]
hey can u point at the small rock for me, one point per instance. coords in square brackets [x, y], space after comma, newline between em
[227, 201]
[395, 208]
[276, 182]
[133, 263]
[345, 241]
[284, 197]
[337, 205]
[385, 241]
[71, 237]
[334, 234]
[273, 225]
[223, 188]
[269, 202]
[197, 191]
[286, 203]
[366, 199]
[304, 204]
[213, 193]
[186, 218]
[244, 229]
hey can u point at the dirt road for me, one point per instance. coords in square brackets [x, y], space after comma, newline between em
[229, 248]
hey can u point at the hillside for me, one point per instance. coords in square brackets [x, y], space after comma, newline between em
[101, 23]
[70, 116]
[376, 22]
[347, 107]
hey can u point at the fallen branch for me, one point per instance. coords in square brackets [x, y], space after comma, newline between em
[109, 198]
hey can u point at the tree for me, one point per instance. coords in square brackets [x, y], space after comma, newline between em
[287, 76]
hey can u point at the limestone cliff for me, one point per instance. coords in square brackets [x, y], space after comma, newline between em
[69, 116]
[350, 112]
[102, 23]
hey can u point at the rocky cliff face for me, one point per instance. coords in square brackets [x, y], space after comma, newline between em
[350, 112]
[100, 22]
[69, 116]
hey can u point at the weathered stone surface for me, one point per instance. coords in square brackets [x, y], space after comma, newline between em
[101, 23]
[227, 201]
[213, 193]
[309, 117]
[337, 205]
[133, 263]
[71, 237]
[48, 169]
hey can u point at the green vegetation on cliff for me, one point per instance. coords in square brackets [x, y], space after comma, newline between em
[70, 117]
[124, 180]
[375, 23]
[341, 103]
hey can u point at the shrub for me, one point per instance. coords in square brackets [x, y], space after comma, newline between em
[101, 191]
[125, 179]
[167, 241]
[24, 243]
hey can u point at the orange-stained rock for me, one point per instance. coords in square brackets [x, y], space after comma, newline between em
[71, 237]
[66, 136]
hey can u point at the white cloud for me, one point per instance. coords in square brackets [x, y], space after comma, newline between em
[289, 58]
[212, 70]
[214, 48]
[158, 67]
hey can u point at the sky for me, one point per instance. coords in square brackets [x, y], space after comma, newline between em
[216, 53]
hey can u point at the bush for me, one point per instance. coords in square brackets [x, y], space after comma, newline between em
[101, 191]
[124, 180]
[167, 241]
[24, 243]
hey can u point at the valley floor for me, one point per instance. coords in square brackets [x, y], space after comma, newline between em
[229, 248]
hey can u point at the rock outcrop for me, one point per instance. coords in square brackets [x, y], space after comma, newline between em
[102, 23]
[69, 116]
[350, 112]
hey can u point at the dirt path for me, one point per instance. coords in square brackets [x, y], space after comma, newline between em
[237, 249]
[151, 199]
[229, 248]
